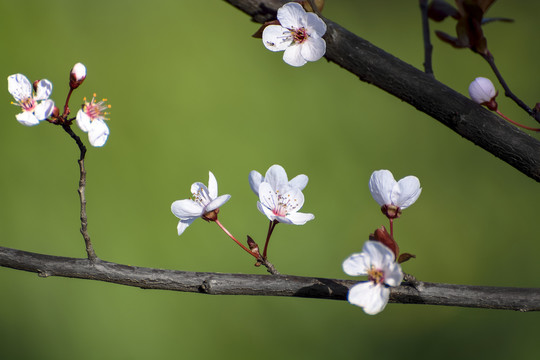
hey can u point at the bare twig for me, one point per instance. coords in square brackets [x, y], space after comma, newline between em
[507, 92]
[420, 90]
[417, 292]
[428, 48]
[81, 191]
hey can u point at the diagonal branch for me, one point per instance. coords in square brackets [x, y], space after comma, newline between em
[506, 298]
[420, 90]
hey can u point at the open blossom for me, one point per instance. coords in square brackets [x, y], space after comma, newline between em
[378, 263]
[386, 191]
[205, 203]
[277, 178]
[300, 35]
[282, 206]
[36, 106]
[91, 119]
[482, 92]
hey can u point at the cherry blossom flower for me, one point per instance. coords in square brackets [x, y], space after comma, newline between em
[91, 120]
[387, 192]
[482, 92]
[205, 203]
[282, 206]
[378, 263]
[300, 35]
[36, 106]
[277, 178]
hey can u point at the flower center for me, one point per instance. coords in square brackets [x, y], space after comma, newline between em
[27, 104]
[299, 35]
[201, 197]
[96, 110]
[375, 275]
[285, 205]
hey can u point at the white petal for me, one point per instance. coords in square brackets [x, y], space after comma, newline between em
[276, 38]
[44, 89]
[27, 118]
[294, 199]
[356, 264]
[313, 49]
[265, 211]
[267, 196]
[202, 192]
[407, 192]
[217, 202]
[381, 184]
[277, 178]
[212, 186]
[315, 26]
[292, 15]
[293, 55]
[186, 209]
[379, 254]
[299, 218]
[393, 275]
[44, 109]
[481, 90]
[183, 224]
[19, 87]
[98, 134]
[372, 298]
[83, 121]
[255, 180]
[299, 182]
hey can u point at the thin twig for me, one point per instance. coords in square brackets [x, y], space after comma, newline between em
[416, 292]
[81, 191]
[428, 48]
[507, 92]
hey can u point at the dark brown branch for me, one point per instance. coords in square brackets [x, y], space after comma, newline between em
[420, 90]
[265, 285]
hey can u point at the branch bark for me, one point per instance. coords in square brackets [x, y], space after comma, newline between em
[420, 90]
[520, 299]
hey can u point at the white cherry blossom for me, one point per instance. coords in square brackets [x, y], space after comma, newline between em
[205, 203]
[377, 262]
[299, 35]
[282, 206]
[277, 178]
[91, 119]
[386, 191]
[36, 106]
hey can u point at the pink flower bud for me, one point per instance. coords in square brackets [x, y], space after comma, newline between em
[483, 92]
[77, 75]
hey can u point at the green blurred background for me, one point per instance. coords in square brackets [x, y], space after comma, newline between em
[191, 91]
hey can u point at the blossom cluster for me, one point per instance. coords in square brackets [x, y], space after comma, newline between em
[33, 99]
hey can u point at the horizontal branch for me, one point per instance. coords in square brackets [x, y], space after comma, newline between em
[520, 299]
[420, 90]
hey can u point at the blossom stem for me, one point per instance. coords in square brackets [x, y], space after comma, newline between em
[391, 227]
[238, 242]
[271, 227]
[516, 123]
[81, 190]
[66, 107]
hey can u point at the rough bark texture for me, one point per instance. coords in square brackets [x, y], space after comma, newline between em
[265, 285]
[420, 90]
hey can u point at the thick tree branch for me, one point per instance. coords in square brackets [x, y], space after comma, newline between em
[265, 285]
[420, 90]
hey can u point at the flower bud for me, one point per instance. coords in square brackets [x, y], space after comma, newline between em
[77, 75]
[381, 235]
[482, 92]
